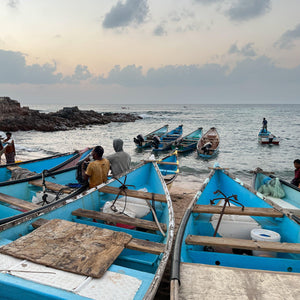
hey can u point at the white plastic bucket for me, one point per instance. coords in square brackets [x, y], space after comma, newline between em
[265, 235]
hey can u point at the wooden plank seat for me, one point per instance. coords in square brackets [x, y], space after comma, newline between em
[133, 193]
[52, 186]
[145, 224]
[161, 162]
[133, 244]
[243, 244]
[20, 203]
[236, 210]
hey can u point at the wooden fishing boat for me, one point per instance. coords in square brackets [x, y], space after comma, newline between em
[208, 145]
[24, 195]
[112, 242]
[247, 249]
[287, 198]
[145, 141]
[169, 168]
[50, 163]
[166, 141]
[266, 137]
[189, 142]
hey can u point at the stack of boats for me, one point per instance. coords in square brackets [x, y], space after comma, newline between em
[207, 144]
[114, 241]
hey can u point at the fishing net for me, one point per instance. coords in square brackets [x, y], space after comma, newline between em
[272, 188]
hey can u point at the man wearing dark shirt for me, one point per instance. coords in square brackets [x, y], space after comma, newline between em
[296, 180]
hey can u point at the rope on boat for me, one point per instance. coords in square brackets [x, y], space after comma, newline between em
[155, 217]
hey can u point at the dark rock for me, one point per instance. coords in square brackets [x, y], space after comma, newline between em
[13, 117]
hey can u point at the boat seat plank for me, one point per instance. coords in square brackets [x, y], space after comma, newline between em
[133, 244]
[20, 203]
[243, 244]
[52, 186]
[133, 193]
[71, 247]
[145, 224]
[162, 162]
[235, 210]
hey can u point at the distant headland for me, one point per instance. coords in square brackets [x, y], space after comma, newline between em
[13, 117]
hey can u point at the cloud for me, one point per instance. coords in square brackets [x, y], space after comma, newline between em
[14, 70]
[242, 10]
[247, 50]
[13, 3]
[208, 2]
[159, 30]
[81, 73]
[128, 76]
[260, 70]
[287, 40]
[132, 12]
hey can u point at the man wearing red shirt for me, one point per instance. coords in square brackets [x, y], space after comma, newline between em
[296, 180]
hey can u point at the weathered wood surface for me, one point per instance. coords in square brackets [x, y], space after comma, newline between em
[20, 203]
[133, 193]
[235, 210]
[133, 244]
[199, 281]
[243, 244]
[12, 168]
[145, 224]
[69, 246]
[52, 186]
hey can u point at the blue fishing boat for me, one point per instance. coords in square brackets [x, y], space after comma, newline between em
[189, 142]
[166, 141]
[50, 163]
[279, 192]
[208, 145]
[24, 195]
[169, 167]
[266, 137]
[145, 141]
[111, 242]
[232, 244]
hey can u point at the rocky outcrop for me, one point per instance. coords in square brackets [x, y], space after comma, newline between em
[13, 117]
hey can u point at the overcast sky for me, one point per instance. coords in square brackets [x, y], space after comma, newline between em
[150, 51]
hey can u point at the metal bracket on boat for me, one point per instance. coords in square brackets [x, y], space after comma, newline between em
[122, 188]
[227, 200]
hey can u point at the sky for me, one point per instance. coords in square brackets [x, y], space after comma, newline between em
[150, 51]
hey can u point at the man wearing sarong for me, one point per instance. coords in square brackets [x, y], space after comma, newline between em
[10, 151]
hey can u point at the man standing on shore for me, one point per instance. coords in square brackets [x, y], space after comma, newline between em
[10, 151]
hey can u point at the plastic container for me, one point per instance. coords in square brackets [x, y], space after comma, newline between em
[265, 235]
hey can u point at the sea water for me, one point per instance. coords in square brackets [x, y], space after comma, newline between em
[238, 127]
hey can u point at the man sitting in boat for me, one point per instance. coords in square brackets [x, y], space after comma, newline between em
[296, 180]
[97, 170]
[119, 161]
[206, 147]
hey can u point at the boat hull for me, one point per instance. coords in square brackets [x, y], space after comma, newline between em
[201, 243]
[139, 270]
